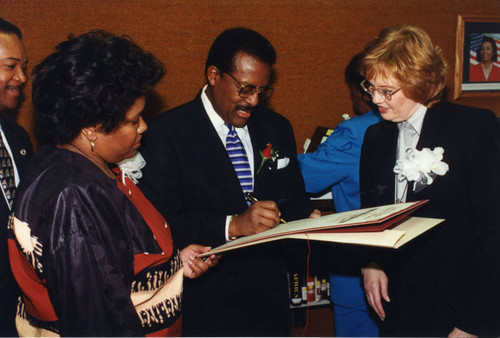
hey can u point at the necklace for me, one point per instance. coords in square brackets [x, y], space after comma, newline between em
[75, 149]
[106, 170]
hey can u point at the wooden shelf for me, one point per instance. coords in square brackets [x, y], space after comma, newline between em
[310, 304]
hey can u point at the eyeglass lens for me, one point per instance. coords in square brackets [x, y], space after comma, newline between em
[370, 89]
[249, 90]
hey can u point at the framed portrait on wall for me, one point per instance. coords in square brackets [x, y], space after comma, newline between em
[477, 66]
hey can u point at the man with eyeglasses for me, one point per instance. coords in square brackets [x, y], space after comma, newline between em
[202, 158]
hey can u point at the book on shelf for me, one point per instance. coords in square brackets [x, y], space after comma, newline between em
[295, 288]
[384, 226]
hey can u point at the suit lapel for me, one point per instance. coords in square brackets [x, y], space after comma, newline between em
[257, 135]
[431, 129]
[20, 153]
[20, 150]
[387, 146]
[207, 147]
[260, 135]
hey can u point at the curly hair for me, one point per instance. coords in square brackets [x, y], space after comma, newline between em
[91, 80]
[493, 47]
[239, 39]
[407, 53]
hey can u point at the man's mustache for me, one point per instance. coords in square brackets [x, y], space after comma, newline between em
[247, 109]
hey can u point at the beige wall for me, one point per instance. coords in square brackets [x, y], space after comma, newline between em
[314, 41]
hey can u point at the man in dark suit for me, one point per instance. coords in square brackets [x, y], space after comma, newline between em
[446, 281]
[15, 151]
[190, 177]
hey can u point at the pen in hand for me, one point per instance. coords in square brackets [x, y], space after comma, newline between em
[252, 200]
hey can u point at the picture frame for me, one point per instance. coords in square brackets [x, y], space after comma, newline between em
[472, 78]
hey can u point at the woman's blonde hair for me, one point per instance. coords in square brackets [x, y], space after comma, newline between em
[407, 53]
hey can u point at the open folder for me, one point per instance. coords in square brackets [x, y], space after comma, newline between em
[385, 226]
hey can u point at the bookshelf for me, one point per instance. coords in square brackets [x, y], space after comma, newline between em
[319, 269]
[308, 290]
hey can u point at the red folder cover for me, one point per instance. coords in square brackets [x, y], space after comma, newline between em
[362, 220]
[376, 220]
[381, 226]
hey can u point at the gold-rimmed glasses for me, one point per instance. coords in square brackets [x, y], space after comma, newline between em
[248, 90]
[370, 89]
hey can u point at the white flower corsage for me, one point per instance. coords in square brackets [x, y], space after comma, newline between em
[131, 167]
[421, 167]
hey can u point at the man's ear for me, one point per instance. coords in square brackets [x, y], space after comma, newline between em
[213, 74]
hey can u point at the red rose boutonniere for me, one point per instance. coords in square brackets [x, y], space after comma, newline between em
[268, 155]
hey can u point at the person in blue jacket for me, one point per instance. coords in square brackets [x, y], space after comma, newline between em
[335, 165]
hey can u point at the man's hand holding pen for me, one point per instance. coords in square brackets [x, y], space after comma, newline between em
[260, 216]
[252, 199]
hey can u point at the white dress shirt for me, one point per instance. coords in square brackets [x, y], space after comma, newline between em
[222, 131]
[408, 140]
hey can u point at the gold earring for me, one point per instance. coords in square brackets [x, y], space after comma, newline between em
[92, 145]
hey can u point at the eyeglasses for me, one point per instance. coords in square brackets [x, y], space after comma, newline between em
[370, 89]
[248, 90]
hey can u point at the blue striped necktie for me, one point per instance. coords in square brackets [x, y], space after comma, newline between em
[238, 156]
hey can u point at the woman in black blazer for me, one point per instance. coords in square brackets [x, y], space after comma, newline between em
[443, 283]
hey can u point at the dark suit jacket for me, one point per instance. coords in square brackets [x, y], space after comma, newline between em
[448, 277]
[191, 180]
[22, 150]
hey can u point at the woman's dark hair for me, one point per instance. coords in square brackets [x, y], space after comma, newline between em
[493, 46]
[234, 40]
[351, 74]
[8, 28]
[353, 79]
[91, 80]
